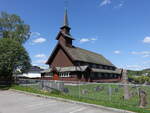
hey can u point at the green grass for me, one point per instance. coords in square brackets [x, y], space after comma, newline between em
[98, 98]
[4, 87]
[103, 95]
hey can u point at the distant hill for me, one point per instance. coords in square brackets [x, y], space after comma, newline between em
[147, 70]
[139, 73]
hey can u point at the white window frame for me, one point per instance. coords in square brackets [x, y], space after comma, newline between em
[65, 74]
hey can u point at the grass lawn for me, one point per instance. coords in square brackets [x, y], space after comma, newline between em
[94, 97]
[108, 93]
[3, 87]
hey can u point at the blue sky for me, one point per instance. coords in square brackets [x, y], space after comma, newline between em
[117, 29]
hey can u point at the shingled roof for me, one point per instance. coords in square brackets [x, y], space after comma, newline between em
[80, 54]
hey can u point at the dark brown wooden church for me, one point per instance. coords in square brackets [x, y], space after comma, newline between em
[68, 62]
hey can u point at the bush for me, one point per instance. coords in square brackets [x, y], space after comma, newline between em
[139, 79]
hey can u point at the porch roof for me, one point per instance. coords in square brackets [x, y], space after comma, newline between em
[67, 69]
[117, 71]
[81, 69]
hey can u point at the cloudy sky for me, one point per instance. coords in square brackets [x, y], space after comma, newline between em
[117, 29]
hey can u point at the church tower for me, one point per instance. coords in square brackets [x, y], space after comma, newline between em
[64, 37]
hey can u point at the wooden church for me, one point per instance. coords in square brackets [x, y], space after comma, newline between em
[70, 63]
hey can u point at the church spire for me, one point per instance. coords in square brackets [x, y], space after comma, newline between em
[65, 28]
[66, 23]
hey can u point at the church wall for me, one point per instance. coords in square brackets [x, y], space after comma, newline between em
[62, 40]
[61, 59]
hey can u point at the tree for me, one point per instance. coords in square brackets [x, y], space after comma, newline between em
[13, 56]
[11, 26]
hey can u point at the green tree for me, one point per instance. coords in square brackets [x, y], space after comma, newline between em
[13, 56]
[11, 26]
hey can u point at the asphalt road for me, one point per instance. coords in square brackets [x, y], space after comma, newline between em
[14, 102]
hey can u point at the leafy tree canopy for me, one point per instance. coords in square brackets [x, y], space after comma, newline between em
[11, 26]
[13, 56]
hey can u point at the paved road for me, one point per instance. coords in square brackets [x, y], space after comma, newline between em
[14, 102]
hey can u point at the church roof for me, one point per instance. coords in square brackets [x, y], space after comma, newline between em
[79, 54]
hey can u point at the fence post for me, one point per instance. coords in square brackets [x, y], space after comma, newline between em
[79, 88]
[42, 84]
[26, 84]
[110, 92]
[58, 84]
[126, 86]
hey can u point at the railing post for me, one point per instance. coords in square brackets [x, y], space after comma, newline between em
[110, 92]
[79, 88]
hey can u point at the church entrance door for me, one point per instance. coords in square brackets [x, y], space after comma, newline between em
[56, 76]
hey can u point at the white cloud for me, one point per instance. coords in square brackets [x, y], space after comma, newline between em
[36, 38]
[142, 53]
[117, 52]
[40, 56]
[146, 56]
[134, 67]
[146, 62]
[105, 2]
[119, 5]
[40, 61]
[35, 34]
[93, 39]
[139, 66]
[147, 40]
[83, 40]
[39, 40]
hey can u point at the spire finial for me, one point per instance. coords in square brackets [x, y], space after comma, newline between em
[66, 23]
[66, 4]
